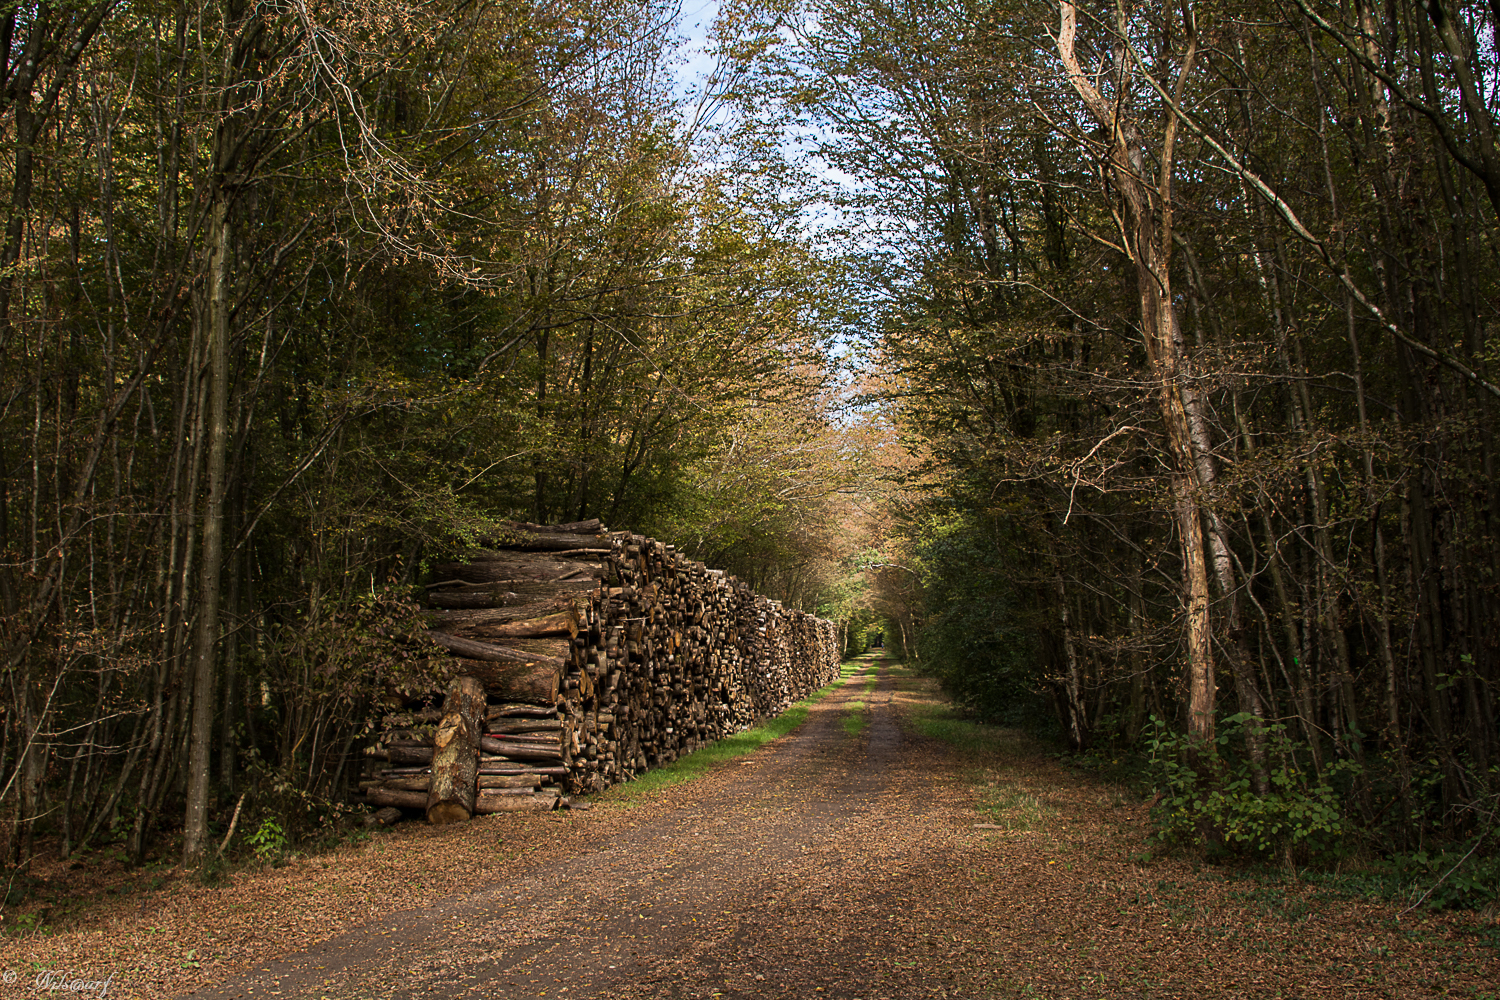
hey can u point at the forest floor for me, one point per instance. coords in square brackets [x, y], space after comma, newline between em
[852, 859]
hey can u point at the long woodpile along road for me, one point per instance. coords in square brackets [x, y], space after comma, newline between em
[587, 657]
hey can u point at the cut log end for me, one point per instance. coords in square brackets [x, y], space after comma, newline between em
[446, 813]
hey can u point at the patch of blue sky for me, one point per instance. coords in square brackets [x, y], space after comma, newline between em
[839, 212]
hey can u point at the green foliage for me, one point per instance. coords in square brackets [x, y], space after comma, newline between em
[942, 722]
[340, 656]
[286, 803]
[1009, 339]
[1002, 802]
[847, 601]
[1459, 879]
[15, 886]
[212, 870]
[269, 839]
[29, 923]
[1454, 877]
[972, 639]
[761, 498]
[325, 676]
[1300, 813]
[1013, 808]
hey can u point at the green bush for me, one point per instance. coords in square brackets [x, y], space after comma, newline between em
[1455, 879]
[1301, 813]
[974, 638]
[269, 840]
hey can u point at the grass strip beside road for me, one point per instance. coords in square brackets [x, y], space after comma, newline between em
[690, 766]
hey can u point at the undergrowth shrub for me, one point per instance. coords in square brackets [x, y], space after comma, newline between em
[1301, 815]
[1454, 879]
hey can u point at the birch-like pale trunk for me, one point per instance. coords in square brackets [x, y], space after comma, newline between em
[1146, 227]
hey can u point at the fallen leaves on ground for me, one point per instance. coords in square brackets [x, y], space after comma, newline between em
[860, 865]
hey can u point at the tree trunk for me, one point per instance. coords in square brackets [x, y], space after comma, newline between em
[1147, 230]
[1072, 688]
[206, 635]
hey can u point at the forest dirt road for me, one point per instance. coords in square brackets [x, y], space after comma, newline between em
[852, 859]
[788, 873]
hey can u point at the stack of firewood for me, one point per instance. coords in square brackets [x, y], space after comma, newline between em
[587, 657]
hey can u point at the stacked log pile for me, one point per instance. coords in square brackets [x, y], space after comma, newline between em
[599, 655]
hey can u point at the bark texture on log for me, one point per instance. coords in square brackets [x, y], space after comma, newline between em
[532, 680]
[562, 623]
[532, 781]
[523, 751]
[471, 650]
[402, 755]
[489, 804]
[395, 797]
[455, 753]
[457, 622]
[514, 567]
[509, 594]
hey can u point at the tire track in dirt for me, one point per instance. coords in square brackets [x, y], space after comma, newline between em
[744, 890]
